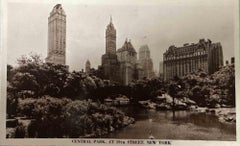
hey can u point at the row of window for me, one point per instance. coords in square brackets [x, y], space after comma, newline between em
[182, 69]
[193, 61]
[57, 52]
[185, 56]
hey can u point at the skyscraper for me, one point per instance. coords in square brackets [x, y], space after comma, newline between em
[87, 66]
[119, 66]
[110, 64]
[110, 38]
[127, 56]
[57, 36]
[146, 61]
[161, 69]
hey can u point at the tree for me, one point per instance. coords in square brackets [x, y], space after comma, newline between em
[26, 83]
[39, 78]
[9, 72]
[74, 86]
[47, 111]
[172, 91]
[12, 101]
[32, 58]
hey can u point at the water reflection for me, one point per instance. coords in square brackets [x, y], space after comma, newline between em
[174, 125]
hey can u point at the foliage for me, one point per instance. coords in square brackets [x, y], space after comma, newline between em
[9, 72]
[33, 78]
[146, 88]
[224, 79]
[91, 118]
[211, 90]
[47, 111]
[205, 90]
[65, 118]
[20, 131]
[12, 101]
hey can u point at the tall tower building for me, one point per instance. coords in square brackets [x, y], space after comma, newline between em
[121, 66]
[129, 69]
[57, 36]
[110, 38]
[110, 64]
[146, 61]
[161, 69]
[87, 66]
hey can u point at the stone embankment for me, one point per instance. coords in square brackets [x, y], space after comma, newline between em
[225, 115]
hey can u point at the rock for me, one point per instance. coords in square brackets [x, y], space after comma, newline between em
[217, 106]
[226, 115]
[188, 101]
[201, 109]
[148, 104]
[228, 119]
[193, 107]
[12, 123]
[212, 111]
[162, 106]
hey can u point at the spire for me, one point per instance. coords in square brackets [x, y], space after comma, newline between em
[110, 25]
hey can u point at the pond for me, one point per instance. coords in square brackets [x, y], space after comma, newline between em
[178, 125]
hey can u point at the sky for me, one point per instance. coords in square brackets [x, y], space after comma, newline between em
[158, 24]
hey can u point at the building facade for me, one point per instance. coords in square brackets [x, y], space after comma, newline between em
[161, 70]
[57, 36]
[204, 55]
[146, 61]
[87, 66]
[110, 64]
[129, 68]
[119, 66]
[110, 38]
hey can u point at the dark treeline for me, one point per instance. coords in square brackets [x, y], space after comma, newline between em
[54, 117]
[33, 78]
[55, 100]
[46, 92]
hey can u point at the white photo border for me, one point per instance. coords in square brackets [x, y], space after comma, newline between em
[62, 141]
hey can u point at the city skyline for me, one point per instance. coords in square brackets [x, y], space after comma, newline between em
[119, 72]
[86, 39]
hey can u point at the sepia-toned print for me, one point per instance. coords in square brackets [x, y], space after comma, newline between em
[164, 71]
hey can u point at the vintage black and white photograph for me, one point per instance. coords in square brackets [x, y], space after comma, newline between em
[162, 70]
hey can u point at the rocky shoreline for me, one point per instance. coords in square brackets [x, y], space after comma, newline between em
[225, 115]
[165, 102]
[126, 122]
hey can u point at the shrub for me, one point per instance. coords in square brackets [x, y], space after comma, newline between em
[48, 114]
[56, 117]
[90, 118]
[20, 131]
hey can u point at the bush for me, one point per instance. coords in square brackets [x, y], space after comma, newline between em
[20, 131]
[56, 117]
[48, 114]
[90, 118]
[210, 90]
